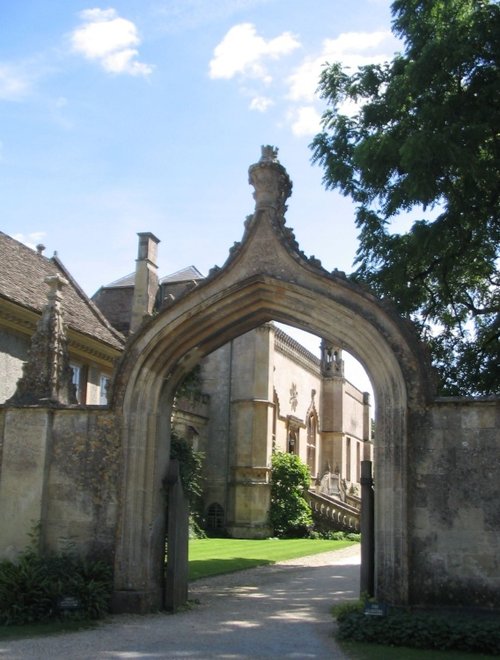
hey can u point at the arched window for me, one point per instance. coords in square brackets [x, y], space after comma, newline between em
[312, 426]
[292, 442]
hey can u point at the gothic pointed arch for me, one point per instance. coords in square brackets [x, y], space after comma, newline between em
[266, 277]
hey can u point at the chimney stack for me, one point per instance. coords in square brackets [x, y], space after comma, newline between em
[146, 279]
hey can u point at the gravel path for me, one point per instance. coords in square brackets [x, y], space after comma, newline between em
[276, 611]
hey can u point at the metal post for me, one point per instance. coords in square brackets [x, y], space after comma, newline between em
[367, 575]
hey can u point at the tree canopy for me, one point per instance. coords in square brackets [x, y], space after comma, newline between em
[425, 137]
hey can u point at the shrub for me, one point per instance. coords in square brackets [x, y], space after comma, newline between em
[290, 514]
[330, 535]
[33, 586]
[423, 630]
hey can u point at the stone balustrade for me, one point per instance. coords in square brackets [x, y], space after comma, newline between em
[339, 515]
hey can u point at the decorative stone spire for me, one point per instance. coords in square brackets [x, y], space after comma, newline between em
[332, 363]
[146, 279]
[271, 181]
[47, 376]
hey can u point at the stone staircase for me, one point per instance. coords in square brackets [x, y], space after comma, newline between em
[331, 513]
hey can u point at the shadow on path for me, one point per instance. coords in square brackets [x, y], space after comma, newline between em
[275, 611]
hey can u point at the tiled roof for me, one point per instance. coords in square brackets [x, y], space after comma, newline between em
[128, 280]
[185, 275]
[22, 274]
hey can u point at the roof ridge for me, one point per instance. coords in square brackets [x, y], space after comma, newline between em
[182, 270]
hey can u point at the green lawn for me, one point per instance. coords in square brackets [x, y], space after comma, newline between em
[216, 556]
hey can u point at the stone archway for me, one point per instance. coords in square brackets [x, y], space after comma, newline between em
[265, 278]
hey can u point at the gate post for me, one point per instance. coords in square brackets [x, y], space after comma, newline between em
[367, 574]
[176, 579]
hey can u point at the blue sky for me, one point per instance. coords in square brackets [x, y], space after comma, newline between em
[144, 115]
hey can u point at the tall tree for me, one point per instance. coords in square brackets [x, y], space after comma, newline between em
[425, 137]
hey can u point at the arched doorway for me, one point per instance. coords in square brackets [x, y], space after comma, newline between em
[265, 278]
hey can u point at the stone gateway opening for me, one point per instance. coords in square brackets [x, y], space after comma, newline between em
[265, 278]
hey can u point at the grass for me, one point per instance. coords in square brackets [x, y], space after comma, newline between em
[209, 557]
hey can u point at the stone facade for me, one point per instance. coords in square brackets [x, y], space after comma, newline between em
[268, 392]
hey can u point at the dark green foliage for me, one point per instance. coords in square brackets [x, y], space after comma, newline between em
[290, 514]
[426, 138]
[331, 535]
[423, 630]
[190, 465]
[190, 468]
[31, 588]
[190, 386]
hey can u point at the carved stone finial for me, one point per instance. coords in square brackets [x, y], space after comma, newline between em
[270, 180]
[332, 363]
[47, 376]
[269, 154]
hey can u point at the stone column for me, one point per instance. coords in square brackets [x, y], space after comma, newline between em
[332, 372]
[251, 434]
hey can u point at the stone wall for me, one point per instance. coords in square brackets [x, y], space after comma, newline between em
[454, 505]
[60, 468]
[116, 305]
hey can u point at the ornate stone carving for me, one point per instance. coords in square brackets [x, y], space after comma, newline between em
[47, 376]
[271, 181]
[294, 397]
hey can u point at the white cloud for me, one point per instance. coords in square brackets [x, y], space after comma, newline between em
[14, 84]
[261, 103]
[31, 240]
[242, 51]
[352, 49]
[110, 40]
[305, 121]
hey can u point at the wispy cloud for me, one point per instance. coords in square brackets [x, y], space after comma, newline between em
[243, 52]
[175, 15]
[111, 41]
[261, 103]
[15, 84]
[304, 121]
